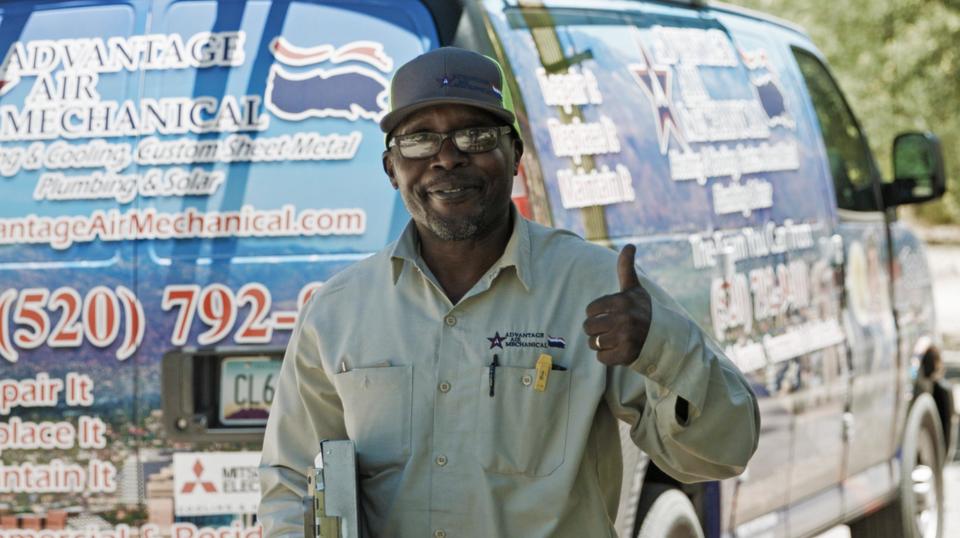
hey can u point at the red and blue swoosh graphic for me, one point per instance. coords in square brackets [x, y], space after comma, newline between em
[350, 91]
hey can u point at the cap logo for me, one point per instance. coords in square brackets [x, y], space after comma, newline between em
[470, 83]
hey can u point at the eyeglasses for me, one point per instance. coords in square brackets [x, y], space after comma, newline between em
[469, 140]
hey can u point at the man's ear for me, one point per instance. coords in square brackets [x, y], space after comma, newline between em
[517, 153]
[389, 168]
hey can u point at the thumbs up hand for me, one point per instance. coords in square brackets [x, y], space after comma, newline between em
[617, 324]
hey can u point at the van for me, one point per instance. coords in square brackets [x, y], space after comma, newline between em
[179, 176]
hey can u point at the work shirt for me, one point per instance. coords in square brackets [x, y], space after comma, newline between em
[381, 356]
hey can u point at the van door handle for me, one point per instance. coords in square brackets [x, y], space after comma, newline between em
[837, 254]
[849, 425]
[729, 261]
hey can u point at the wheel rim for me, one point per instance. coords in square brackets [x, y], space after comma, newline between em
[926, 491]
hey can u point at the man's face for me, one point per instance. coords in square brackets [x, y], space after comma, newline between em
[454, 195]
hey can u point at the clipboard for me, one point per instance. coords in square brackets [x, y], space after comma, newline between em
[331, 507]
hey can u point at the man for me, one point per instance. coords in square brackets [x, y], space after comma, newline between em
[426, 354]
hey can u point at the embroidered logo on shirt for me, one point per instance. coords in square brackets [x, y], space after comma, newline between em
[496, 340]
[526, 339]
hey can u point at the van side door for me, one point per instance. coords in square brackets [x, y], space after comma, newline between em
[869, 323]
[796, 297]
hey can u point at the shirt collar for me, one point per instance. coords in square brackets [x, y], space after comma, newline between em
[516, 254]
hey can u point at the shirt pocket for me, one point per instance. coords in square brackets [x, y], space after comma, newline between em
[521, 430]
[377, 414]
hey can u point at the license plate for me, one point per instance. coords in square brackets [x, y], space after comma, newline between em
[247, 385]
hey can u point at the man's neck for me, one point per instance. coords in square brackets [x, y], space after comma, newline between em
[458, 265]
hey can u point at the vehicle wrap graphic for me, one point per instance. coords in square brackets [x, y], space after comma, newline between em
[177, 178]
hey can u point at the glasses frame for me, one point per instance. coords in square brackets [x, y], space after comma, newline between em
[500, 130]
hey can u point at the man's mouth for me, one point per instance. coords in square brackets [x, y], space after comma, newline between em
[453, 193]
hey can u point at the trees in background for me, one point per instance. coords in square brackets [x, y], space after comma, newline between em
[898, 61]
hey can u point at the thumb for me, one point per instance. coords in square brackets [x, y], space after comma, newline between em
[625, 269]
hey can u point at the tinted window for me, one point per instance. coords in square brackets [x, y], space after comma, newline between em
[850, 162]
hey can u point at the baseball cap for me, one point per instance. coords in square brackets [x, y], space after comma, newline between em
[449, 75]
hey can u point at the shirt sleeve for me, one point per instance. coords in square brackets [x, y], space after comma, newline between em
[688, 406]
[305, 411]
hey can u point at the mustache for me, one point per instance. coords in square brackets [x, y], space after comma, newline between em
[452, 180]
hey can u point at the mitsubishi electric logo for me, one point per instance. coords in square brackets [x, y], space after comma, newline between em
[215, 483]
[198, 472]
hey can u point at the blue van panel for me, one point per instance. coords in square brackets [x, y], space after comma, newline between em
[775, 42]
[677, 144]
[289, 65]
[335, 101]
[216, 152]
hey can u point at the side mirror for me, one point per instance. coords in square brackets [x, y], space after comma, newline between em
[918, 168]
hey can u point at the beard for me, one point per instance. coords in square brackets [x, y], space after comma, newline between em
[452, 228]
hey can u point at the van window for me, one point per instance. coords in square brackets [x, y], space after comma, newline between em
[850, 161]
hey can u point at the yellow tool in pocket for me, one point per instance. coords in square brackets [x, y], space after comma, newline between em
[544, 365]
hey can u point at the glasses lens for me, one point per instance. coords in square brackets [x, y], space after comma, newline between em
[419, 145]
[427, 144]
[476, 139]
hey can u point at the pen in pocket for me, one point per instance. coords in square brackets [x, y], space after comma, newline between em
[493, 372]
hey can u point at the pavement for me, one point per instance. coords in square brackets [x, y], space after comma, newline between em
[951, 501]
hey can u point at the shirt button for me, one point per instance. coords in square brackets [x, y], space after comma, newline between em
[450, 320]
[439, 533]
[441, 460]
[444, 387]
[526, 380]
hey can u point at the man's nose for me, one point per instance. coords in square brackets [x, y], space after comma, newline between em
[450, 156]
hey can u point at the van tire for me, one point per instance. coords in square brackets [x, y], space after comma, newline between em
[922, 457]
[665, 512]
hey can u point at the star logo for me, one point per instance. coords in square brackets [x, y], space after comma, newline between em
[656, 82]
[496, 340]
